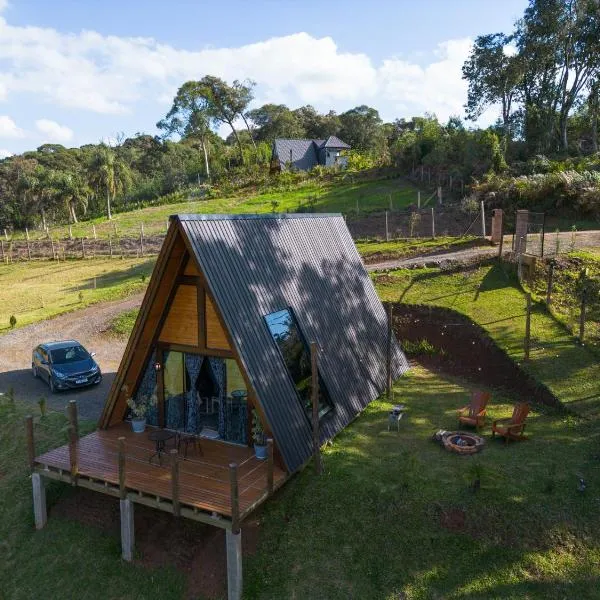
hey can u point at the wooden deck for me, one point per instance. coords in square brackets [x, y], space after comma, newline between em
[204, 479]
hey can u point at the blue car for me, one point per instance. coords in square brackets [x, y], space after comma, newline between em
[65, 365]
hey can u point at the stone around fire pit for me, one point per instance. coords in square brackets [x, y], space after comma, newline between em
[462, 442]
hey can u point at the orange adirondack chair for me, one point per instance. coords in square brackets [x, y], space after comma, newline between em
[474, 413]
[513, 428]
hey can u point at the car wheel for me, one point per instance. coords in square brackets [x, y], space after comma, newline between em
[34, 371]
[51, 385]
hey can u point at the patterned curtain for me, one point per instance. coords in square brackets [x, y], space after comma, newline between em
[147, 388]
[193, 364]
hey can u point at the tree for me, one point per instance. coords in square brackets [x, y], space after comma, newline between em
[559, 48]
[190, 117]
[275, 121]
[316, 125]
[361, 128]
[493, 76]
[224, 102]
[71, 191]
[109, 173]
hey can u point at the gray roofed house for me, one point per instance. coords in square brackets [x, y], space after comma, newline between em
[303, 155]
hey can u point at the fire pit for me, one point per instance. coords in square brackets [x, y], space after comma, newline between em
[460, 442]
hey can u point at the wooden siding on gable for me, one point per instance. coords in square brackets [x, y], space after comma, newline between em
[181, 324]
[191, 269]
[216, 337]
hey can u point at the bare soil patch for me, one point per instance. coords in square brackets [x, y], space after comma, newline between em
[195, 549]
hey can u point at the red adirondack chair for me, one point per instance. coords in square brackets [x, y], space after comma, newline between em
[474, 413]
[513, 428]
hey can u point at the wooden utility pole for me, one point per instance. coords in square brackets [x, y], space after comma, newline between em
[315, 406]
[527, 342]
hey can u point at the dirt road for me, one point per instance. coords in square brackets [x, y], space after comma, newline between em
[579, 239]
[86, 326]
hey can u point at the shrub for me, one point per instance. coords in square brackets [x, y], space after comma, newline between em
[12, 321]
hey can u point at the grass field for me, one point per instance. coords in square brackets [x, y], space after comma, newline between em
[393, 513]
[39, 290]
[318, 196]
[491, 297]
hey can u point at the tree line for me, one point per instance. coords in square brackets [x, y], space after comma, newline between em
[543, 78]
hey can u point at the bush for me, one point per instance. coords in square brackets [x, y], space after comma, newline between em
[13, 321]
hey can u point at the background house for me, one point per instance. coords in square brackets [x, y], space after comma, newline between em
[303, 155]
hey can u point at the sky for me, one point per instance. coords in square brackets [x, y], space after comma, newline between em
[80, 71]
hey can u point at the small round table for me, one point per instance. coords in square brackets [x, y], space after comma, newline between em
[160, 438]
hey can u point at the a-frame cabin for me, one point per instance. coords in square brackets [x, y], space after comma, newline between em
[225, 329]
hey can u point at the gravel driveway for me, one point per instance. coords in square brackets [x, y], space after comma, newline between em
[86, 326]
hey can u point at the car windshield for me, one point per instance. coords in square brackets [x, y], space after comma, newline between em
[71, 354]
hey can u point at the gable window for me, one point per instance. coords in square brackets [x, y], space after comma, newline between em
[296, 356]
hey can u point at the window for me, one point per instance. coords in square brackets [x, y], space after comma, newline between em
[296, 355]
[72, 354]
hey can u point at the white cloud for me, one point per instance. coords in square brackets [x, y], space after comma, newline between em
[3, 5]
[5, 153]
[114, 75]
[9, 129]
[53, 131]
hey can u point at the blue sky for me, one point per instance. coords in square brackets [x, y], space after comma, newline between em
[75, 72]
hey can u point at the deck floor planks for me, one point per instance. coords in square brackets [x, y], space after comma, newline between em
[203, 478]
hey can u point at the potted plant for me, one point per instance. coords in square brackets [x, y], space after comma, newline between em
[259, 437]
[139, 407]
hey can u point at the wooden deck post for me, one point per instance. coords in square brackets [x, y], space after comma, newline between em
[235, 499]
[30, 441]
[388, 362]
[175, 482]
[126, 506]
[121, 466]
[315, 406]
[233, 544]
[73, 455]
[73, 420]
[270, 466]
[40, 514]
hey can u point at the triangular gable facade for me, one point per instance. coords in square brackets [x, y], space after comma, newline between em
[217, 282]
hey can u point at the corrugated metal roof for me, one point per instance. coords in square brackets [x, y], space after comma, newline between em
[255, 266]
[334, 142]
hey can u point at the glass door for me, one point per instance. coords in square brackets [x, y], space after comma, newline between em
[174, 389]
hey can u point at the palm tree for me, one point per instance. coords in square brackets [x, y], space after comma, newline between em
[72, 191]
[109, 173]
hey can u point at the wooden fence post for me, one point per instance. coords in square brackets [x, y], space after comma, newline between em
[315, 405]
[70, 232]
[270, 465]
[235, 498]
[387, 231]
[110, 249]
[439, 194]
[528, 328]
[501, 246]
[28, 249]
[550, 284]
[583, 277]
[82, 249]
[94, 231]
[432, 224]
[175, 482]
[121, 465]
[30, 441]
[482, 219]
[388, 362]
[2, 245]
[53, 253]
[141, 239]
[419, 199]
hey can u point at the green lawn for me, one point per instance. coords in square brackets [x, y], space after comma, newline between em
[491, 297]
[36, 291]
[311, 195]
[393, 513]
